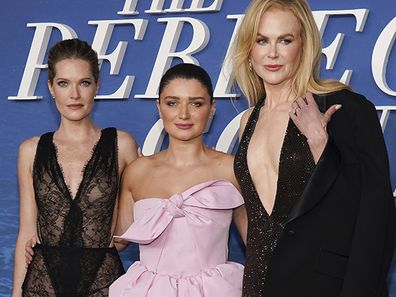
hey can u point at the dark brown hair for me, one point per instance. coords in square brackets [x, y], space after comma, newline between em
[72, 49]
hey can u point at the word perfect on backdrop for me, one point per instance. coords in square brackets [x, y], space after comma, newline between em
[136, 42]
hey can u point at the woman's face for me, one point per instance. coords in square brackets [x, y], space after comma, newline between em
[185, 107]
[276, 53]
[74, 89]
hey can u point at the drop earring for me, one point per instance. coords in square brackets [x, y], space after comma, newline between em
[250, 66]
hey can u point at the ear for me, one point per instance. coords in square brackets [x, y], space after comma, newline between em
[97, 88]
[157, 103]
[51, 89]
[213, 108]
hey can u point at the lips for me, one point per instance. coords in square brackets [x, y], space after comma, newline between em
[273, 67]
[184, 126]
[75, 106]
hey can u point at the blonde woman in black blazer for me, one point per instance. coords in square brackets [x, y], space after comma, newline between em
[321, 217]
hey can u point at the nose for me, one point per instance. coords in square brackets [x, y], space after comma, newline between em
[184, 112]
[75, 92]
[273, 50]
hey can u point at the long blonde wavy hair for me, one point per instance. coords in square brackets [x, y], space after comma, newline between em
[306, 79]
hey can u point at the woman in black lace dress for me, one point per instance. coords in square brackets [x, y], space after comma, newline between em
[318, 197]
[68, 182]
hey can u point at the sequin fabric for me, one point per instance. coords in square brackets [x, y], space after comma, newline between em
[295, 167]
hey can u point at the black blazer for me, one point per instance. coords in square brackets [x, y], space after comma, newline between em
[340, 236]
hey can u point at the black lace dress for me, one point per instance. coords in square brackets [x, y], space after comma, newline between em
[295, 167]
[74, 258]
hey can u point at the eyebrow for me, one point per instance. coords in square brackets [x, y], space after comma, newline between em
[83, 78]
[189, 98]
[279, 37]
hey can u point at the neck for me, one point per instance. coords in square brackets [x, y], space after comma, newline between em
[277, 95]
[77, 130]
[185, 153]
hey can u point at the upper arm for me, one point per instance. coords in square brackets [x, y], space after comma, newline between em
[127, 148]
[239, 214]
[28, 207]
[375, 215]
[244, 119]
[126, 202]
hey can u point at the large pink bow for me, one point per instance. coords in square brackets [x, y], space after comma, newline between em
[217, 194]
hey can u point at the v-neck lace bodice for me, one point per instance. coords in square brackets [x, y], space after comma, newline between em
[84, 221]
[295, 167]
[74, 257]
[82, 171]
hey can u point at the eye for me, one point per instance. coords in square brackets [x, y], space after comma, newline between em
[286, 41]
[86, 83]
[261, 41]
[197, 103]
[62, 83]
[171, 103]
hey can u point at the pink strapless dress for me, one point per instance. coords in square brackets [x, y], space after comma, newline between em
[183, 245]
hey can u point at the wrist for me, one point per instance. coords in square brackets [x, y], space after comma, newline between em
[318, 138]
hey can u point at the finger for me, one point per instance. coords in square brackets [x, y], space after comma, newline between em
[309, 98]
[330, 111]
[293, 114]
[295, 105]
[301, 102]
[28, 258]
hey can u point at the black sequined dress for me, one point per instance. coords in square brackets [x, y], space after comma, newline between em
[295, 167]
[74, 258]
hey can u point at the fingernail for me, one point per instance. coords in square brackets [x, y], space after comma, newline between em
[338, 106]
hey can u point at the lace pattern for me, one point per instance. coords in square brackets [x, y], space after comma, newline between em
[73, 258]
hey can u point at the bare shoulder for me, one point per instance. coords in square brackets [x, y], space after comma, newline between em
[26, 155]
[139, 168]
[223, 158]
[127, 146]
[244, 119]
[223, 164]
[126, 139]
[28, 147]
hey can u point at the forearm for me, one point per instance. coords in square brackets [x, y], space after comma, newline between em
[240, 221]
[120, 244]
[19, 268]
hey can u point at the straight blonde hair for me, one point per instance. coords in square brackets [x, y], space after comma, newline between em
[306, 79]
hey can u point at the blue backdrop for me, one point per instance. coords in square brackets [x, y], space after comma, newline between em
[137, 41]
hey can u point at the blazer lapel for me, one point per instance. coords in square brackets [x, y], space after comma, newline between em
[323, 176]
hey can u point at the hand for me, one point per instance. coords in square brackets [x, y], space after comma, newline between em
[29, 253]
[312, 123]
[307, 117]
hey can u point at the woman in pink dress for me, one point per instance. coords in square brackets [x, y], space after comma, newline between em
[181, 202]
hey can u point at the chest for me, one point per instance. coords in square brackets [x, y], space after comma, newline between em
[266, 142]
